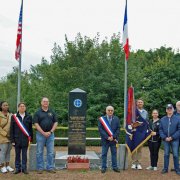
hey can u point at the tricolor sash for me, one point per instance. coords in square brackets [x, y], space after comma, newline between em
[21, 126]
[107, 127]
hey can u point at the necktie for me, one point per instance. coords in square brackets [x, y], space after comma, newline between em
[110, 119]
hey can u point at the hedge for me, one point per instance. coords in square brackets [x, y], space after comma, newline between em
[90, 132]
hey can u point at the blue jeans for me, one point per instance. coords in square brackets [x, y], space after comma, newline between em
[49, 143]
[175, 146]
[105, 147]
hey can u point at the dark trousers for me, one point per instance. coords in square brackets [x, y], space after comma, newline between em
[154, 151]
[18, 150]
[105, 148]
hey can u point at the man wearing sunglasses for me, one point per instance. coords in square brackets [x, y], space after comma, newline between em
[109, 129]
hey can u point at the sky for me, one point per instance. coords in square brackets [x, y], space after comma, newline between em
[151, 24]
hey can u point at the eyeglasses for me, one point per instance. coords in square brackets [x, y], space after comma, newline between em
[110, 110]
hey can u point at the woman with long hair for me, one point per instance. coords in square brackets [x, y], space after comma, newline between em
[5, 145]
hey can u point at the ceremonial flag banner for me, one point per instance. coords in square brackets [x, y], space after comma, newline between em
[137, 131]
[125, 34]
[19, 35]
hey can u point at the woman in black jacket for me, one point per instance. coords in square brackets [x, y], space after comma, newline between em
[154, 142]
[19, 139]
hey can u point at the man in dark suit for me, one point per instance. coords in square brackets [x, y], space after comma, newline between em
[19, 139]
[109, 129]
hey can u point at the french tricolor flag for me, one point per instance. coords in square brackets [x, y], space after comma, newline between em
[125, 34]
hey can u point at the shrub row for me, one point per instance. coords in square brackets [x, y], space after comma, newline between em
[90, 132]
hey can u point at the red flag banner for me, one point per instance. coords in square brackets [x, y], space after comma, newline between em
[130, 106]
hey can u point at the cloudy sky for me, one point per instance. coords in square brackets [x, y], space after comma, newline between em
[152, 23]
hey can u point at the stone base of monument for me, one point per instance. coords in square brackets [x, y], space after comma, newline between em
[61, 158]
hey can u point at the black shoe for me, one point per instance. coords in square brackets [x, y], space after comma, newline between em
[116, 170]
[17, 171]
[172, 169]
[25, 171]
[164, 171]
[103, 170]
[51, 171]
[39, 171]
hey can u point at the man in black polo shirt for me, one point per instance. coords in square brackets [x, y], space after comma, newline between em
[45, 121]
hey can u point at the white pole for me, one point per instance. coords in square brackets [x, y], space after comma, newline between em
[125, 92]
[19, 82]
[19, 69]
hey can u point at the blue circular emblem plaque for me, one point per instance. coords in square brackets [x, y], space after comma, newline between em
[77, 103]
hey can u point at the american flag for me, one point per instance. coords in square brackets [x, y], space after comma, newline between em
[19, 35]
[125, 34]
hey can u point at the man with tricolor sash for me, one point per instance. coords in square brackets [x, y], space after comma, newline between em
[21, 135]
[109, 129]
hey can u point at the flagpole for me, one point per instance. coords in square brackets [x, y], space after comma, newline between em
[20, 57]
[126, 51]
[19, 82]
[125, 91]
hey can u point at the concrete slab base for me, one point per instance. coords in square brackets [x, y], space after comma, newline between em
[61, 157]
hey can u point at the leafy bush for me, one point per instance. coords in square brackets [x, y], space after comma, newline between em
[90, 132]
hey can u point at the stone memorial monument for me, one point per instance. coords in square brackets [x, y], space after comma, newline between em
[77, 130]
[77, 122]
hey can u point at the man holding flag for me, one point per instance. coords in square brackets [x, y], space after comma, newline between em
[109, 130]
[142, 117]
[137, 128]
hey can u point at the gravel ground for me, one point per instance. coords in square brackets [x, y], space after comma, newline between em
[96, 174]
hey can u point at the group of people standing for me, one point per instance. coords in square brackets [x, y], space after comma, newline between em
[16, 130]
[166, 130]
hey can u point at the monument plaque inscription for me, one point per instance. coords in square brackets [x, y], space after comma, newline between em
[77, 122]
